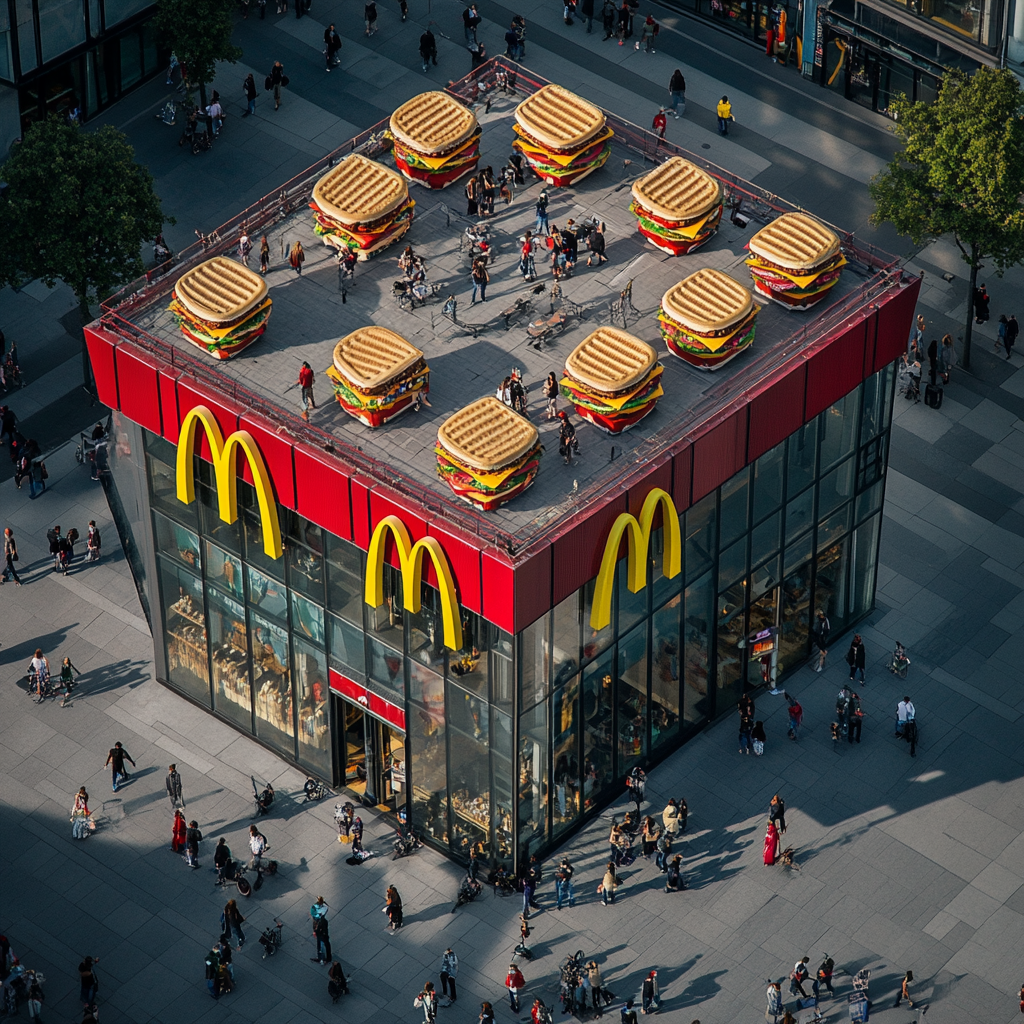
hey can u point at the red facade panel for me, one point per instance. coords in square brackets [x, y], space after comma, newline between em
[360, 488]
[498, 577]
[682, 475]
[322, 493]
[101, 346]
[720, 453]
[138, 387]
[369, 700]
[577, 552]
[463, 553]
[834, 369]
[896, 318]
[533, 587]
[385, 503]
[169, 422]
[277, 454]
[776, 411]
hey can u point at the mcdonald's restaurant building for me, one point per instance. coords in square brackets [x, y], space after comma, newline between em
[399, 645]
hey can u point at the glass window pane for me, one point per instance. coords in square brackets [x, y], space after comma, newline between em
[800, 514]
[839, 429]
[131, 59]
[598, 774]
[665, 711]
[632, 607]
[426, 632]
[426, 747]
[185, 631]
[871, 462]
[227, 535]
[118, 10]
[305, 571]
[733, 562]
[502, 677]
[830, 585]
[595, 640]
[566, 638]
[764, 540]
[834, 527]
[732, 638]
[865, 561]
[224, 570]
[768, 481]
[347, 651]
[388, 620]
[698, 612]
[733, 512]
[345, 580]
[268, 595]
[501, 773]
[252, 529]
[309, 670]
[662, 587]
[835, 488]
[794, 634]
[799, 552]
[272, 684]
[801, 448]
[469, 770]
[229, 642]
[176, 543]
[535, 662]
[386, 670]
[870, 501]
[307, 620]
[631, 699]
[26, 36]
[469, 666]
[565, 736]
[533, 780]
[875, 408]
[699, 531]
[61, 27]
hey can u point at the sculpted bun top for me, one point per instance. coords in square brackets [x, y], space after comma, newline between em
[220, 290]
[371, 356]
[707, 301]
[487, 435]
[433, 123]
[610, 359]
[677, 190]
[795, 241]
[359, 190]
[558, 118]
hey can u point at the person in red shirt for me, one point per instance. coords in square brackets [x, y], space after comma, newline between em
[660, 124]
[305, 382]
[515, 983]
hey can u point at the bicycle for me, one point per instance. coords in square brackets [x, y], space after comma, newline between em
[503, 882]
[272, 939]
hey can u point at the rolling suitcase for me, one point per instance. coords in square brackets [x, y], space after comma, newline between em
[933, 395]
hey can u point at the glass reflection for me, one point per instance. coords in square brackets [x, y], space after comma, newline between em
[309, 670]
[225, 570]
[185, 631]
[533, 780]
[469, 665]
[566, 649]
[632, 699]
[535, 661]
[268, 595]
[796, 615]
[426, 745]
[565, 755]
[698, 612]
[598, 770]
[665, 673]
[232, 694]
[468, 722]
[699, 532]
[768, 478]
[176, 542]
[801, 449]
[272, 684]
[347, 651]
[305, 571]
[307, 619]
[345, 580]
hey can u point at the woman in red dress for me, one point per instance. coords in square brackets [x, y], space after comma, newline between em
[771, 844]
[178, 830]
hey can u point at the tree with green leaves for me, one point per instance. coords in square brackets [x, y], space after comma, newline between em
[77, 209]
[960, 173]
[199, 33]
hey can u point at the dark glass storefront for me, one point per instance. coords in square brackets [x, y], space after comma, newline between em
[513, 741]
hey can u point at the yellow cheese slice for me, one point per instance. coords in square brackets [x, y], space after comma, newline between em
[493, 480]
[619, 400]
[433, 162]
[711, 344]
[561, 159]
[800, 280]
[220, 332]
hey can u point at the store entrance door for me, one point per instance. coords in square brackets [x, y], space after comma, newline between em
[763, 626]
[372, 754]
[862, 85]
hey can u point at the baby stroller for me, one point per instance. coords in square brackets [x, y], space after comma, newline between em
[909, 382]
[264, 801]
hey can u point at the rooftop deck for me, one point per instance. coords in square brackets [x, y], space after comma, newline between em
[312, 312]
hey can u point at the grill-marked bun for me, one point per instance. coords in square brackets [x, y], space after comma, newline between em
[795, 241]
[220, 290]
[373, 355]
[559, 119]
[707, 301]
[359, 190]
[487, 435]
[433, 123]
[677, 191]
[610, 360]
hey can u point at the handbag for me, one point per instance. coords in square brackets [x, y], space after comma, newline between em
[267, 83]
[758, 747]
[284, 79]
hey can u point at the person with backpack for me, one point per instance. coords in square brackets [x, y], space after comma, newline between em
[824, 976]
[542, 213]
[193, 837]
[798, 976]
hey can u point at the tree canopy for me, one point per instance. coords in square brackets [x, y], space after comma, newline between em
[960, 172]
[199, 33]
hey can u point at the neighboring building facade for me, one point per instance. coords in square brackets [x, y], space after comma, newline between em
[58, 56]
[498, 686]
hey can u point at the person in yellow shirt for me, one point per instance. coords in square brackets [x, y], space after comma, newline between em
[724, 115]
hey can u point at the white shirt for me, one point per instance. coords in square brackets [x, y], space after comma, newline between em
[257, 845]
[911, 712]
[902, 710]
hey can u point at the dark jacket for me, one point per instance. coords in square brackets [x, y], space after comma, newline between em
[250, 88]
[678, 83]
[855, 655]
[173, 784]
[428, 44]
[587, 7]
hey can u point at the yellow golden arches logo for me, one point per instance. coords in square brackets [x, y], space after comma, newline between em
[410, 557]
[222, 452]
[639, 536]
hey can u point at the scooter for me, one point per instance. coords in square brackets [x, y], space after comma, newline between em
[271, 940]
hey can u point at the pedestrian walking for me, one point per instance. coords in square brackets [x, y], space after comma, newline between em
[305, 382]
[89, 982]
[478, 56]
[596, 245]
[627, 1014]
[337, 985]
[746, 741]
[249, 89]
[470, 20]
[257, 847]
[587, 10]
[370, 17]
[624, 21]
[193, 837]
[777, 812]
[933, 360]
[231, 918]
[905, 711]
[93, 542]
[515, 983]
[724, 112]
[758, 738]
[297, 257]
[820, 634]
[216, 113]
[427, 1001]
[596, 987]
[659, 124]
[608, 17]
[551, 394]
[981, 301]
[449, 972]
[35, 998]
[11, 555]
[486, 1014]
[650, 994]
[677, 91]
[824, 976]
[173, 785]
[116, 758]
[332, 46]
[609, 883]
[277, 78]
[542, 213]
[855, 718]
[796, 716]
[947, 357]
[564, 891]
[648, 34]
[322, 934]
[179, 830]
[67, 681]
[674, 875]
[529, 888]
[670, 818]
[636, 780]
[1012, 330]
[479, 277]
[264, 255]
[664, 848]
[244, 249]
[798, 976]
[856, 659]
[41, 667]
[37, 476]
[428, 49]
[771, 844]
[774, 1006]
[393, 908]
[904, 992]
[81, 820]
[915, 345]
